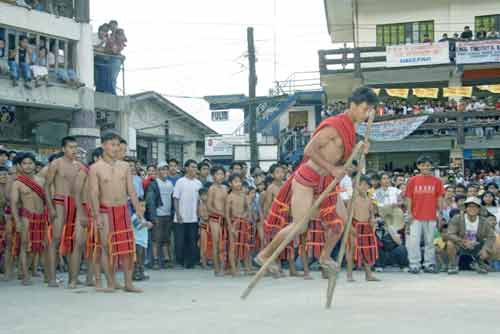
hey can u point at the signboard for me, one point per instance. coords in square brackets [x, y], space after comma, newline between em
[220, 102]
[392, 130]
[418, 54]
[222, 145]
[476, 52]
[268, 155]
[479, 154]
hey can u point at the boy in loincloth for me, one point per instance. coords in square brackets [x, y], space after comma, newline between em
[205, 250]
[362, 241]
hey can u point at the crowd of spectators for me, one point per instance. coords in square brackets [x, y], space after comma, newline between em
[57, 7]
[109, 43]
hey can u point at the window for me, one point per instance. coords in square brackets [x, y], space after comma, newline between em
[220, 116]
[488, 22]
[402, 33]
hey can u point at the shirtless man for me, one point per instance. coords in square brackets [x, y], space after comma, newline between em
[60, 190]
[362, 242]
[10, 234]
[4, 177]
[217, 194]
[111, 185]
[329, 147]
[237, 214]
[29, 210]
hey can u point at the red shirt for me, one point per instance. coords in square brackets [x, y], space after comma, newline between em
[424, 192]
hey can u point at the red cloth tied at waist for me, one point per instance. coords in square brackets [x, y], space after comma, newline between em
[14, 235]
[365, 243]
[37, 229]
[67, 244]
[121, 235]
[92, 244]
[215, 218]
[242, 229]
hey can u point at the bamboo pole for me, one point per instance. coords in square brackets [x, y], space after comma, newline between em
[299, 225]
[332, 279]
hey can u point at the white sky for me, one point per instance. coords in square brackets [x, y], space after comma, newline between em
[197, 47]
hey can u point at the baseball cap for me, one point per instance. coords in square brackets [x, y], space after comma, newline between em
[162, 164]
[473, 200]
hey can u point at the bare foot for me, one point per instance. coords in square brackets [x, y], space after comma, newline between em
[308, 277]
[236, 274]
[329, 265]
[90, 282]
[219, 274]
[249, 272]
[53, 284]
[36, 274]
[72, 285]
[26, 282]
[350, 279]
[133, 289]
[118, 286]
[296, 274]
[105, 290]
[273, 267]
[372, 278]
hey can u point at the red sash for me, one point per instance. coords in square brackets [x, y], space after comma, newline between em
[242, 229]
[33, 185]
[37, 229]
[365, 244]
[223, 237]
[67, 244]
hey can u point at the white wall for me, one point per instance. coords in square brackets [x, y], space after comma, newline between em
[449, 15]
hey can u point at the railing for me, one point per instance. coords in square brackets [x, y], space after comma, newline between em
[107, 68]
[78, 10]
[298, 81]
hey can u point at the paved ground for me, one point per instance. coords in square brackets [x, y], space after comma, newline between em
[188, 302]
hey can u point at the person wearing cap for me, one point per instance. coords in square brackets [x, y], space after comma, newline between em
[424, 194]
[388, 202]
[470, 234]
[159, 211]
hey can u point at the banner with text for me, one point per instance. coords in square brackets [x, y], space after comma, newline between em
[394, 130]
[476, 52]
[417, 54]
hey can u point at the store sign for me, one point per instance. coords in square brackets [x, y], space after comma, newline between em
[418, 54]
[479, 154]
[477, 52]
[392, 130]
[222, 145]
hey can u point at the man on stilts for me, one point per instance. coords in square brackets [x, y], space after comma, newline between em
[331, 144]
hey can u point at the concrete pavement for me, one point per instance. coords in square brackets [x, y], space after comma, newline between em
[195, 302]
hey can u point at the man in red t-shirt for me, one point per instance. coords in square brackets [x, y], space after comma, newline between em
[424, 194]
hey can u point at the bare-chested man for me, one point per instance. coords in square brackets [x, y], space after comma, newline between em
[29, 210]
[217, 194]
[110, 187]
[331, 144]
[4, 177]
[363, 242]
[60, 189]
[237, 214]
[11, 237]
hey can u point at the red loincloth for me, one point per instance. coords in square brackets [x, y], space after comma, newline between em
[2, 234]
[92, 244]
[67, 244]
[37, 229]
[121, 235]
[315, 238]
[205, 230]
[242, 229]
[15, 236]
[223, 238]
[365, 244]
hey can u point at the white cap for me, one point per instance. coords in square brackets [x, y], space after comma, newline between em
[162, 164]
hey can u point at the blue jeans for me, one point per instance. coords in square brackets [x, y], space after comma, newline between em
[22, 69]
[496, 265]
[115, 66]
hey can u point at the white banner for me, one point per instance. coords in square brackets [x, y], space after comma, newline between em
[222, 145]
[478, 52]
[417, 54]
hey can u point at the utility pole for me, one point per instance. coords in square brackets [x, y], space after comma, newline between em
[252, 82]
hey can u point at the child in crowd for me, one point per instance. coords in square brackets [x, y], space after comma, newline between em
[217, 194]
[237, 218]
[205, 248]
[255, 219]
[141, 228]
[362, 242]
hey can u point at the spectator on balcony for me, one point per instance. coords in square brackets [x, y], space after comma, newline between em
[37, 5]
[22, 67]
[493, 34]
[40, 68]
[4, 66]
[444, 38]
[116, 43]
[481, 34]
[427, 39]
[466, 35]
[102, 37]
[22, 3]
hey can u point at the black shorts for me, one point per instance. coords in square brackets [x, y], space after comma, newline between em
[162, 230]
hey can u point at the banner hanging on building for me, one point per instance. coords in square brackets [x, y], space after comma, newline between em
[495, 89]
[429, 93]
[417, 54]
[398, 92]
[457, 91]
[394, 130]
[477, 52]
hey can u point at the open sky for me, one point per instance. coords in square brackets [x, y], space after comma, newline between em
[197, 47]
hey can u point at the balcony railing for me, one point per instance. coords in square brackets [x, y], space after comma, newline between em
[107, 69]
[347, 59]
[78, 10]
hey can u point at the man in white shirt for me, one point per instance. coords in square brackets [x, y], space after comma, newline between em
[186, 196]
[389, 201]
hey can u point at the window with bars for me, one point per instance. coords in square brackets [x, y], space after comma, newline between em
[220, 116]
[403, 33]
[488, 22]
